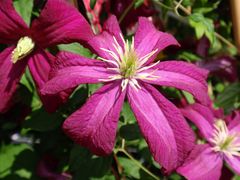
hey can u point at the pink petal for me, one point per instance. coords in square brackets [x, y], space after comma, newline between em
[201, 164]
[146, 33]
[67, 59]
[105, 39]
[202, 117]
[184, 76]
[71, 70]
[59, 23]
[203, 46]
[10, 75]
[234, 163]
[234, 121]
[12, 25]
[112, 27]
[39, 65]
[94, 125]
[224, 67]
[168, 135]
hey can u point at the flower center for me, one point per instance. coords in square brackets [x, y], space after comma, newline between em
[24, 47]
[224, 141]
[127, 65]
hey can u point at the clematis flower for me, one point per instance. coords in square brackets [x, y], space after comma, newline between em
[222, 66]
[222, 145]
[127, 70]
[57, 23]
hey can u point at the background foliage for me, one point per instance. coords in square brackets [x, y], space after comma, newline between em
[32, 144]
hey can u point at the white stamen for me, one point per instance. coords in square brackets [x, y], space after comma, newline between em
[133, 85]
[135, 82]
[148, 67]
[124, 43]
[145, 58]
[132, 45]
[127, 65]
[118, 48]
[119, 51]
[109, 61]
[124, 84]
[225, 142]
[111, 78]
[111, 53]
[114, 69]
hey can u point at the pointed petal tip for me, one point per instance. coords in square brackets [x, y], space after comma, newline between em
[94, 125]
[168, 135]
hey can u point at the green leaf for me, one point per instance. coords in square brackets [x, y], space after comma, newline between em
[189, 56]
[8, 154]
[93, 87]
[138, 3]
[75, 48]
[175, 176]
[105, 177]
[206, 7]
[189, 97]
[24, 8]
[84, 165]
[92, 3]
[229, 98]
[27, 81]
[187, 3]
[236, 177]
[130, 168]
[40, 120]
[202, 26]
[128, 114]
[130, 132]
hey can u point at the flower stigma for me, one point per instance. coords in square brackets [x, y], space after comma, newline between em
[127, 65]
[225, 142]
[24, 47]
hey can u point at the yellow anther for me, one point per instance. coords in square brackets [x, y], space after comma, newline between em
[24, 47]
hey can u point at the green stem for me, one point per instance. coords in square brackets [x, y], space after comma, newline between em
[225, 40]
[126, 11]
[137, 163]
[163, 5]
[178, 5]
[220, 37]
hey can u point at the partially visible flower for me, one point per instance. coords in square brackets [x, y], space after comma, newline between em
[222, 66]
[57, 23]
[47, 169]
[127, 69]
[222, 144]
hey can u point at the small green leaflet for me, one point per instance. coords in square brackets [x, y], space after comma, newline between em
[202, 26]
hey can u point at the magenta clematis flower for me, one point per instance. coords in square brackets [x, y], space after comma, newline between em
[57, 23]
[127, 69]
[222, 144]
